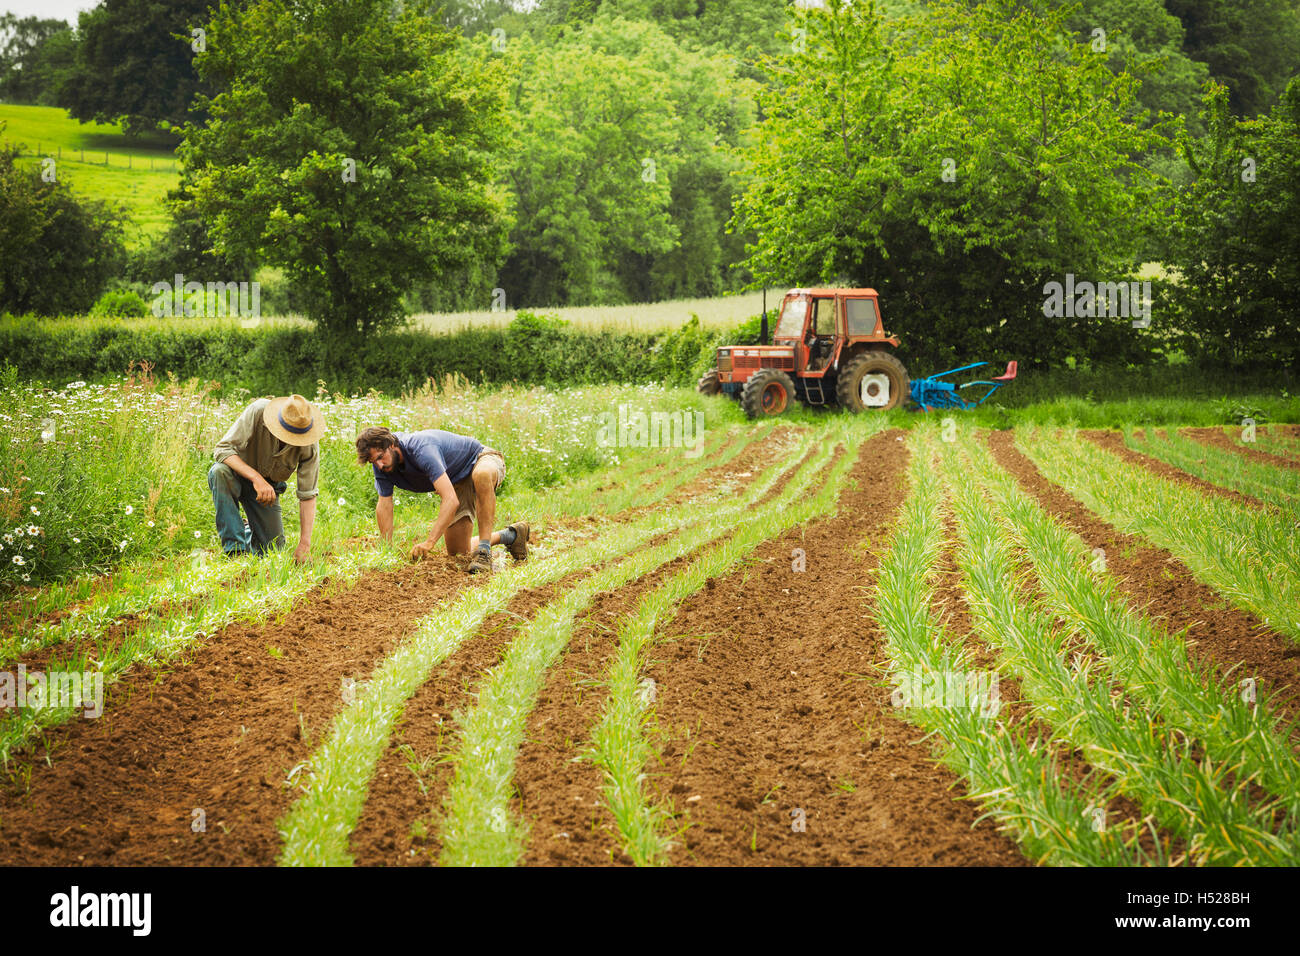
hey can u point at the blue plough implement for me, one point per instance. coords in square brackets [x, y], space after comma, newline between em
[931, 393]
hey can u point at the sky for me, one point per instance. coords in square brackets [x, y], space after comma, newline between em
[47, 9]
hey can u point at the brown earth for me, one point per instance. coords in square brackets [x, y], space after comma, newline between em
[559, 788]
[1161, 587]
[429, 730]
[1113, 442]
[1215, 438]
[774, 711]
[218, 733]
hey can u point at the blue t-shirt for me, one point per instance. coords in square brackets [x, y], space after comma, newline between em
[426, 456]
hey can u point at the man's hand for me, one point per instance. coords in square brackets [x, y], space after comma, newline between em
[265, 493]
[421, 550]
[301, 554]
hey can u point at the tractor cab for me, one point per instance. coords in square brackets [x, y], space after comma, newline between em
[829, 347]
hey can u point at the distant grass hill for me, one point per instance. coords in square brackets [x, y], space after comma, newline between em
[99, 162]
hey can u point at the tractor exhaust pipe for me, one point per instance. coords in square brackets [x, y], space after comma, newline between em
[762, 333]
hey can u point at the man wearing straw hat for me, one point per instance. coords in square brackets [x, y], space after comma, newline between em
[271, 439]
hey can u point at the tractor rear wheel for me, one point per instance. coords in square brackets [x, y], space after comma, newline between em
[875, 380]
[709, 383]
[768, 392]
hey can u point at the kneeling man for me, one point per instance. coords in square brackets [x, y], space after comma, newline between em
[269, 441]
[466, 477]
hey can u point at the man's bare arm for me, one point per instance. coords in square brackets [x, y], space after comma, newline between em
[384, 517]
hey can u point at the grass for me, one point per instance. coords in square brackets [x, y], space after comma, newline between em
[722, 312]
[99, 162]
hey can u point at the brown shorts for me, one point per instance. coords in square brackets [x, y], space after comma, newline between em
[464, 488]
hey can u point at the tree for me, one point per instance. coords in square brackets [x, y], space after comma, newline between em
[1141, 37]
[957, 164]
[135, 63]
[1237, 236]
[1251, 46]
[353, 145]
[35, 55]
[620, 183]
[56, 253]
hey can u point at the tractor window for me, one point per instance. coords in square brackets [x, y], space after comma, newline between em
[861, 316]
[824, 317]
[792, 315]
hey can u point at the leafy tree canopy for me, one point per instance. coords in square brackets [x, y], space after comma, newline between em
[350, 143]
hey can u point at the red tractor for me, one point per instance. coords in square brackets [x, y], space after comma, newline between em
[829, 347]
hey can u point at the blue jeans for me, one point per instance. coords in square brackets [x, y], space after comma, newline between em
[265, 528]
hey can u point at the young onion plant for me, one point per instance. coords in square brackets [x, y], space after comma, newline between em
[1275, 486]
[1014, 776]
[1249, 555]
[1195, 795]
[1237, 730]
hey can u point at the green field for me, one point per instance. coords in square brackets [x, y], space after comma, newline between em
[98, 161]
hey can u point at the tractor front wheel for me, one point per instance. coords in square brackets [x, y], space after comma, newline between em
[709, 383]
[768, 392]
[874, 380]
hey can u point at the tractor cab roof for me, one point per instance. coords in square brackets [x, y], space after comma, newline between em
[824, 291]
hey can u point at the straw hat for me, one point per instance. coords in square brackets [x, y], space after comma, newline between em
[294, 420]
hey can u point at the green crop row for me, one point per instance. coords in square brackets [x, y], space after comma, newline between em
[1249, 555]
[1013, 773]
[1269, 484]
[1233, 727]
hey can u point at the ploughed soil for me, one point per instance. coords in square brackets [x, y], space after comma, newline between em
[1162, 587]
[558, 789]
[1217, 439]
[777, 742]
[414, 775]
[218, 732]
[1113, 442]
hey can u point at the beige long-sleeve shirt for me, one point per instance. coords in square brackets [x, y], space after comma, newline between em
[274, 460]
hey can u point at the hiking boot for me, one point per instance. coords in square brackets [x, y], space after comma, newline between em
[519, 547]
[481, 561]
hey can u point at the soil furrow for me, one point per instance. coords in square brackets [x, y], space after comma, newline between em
[778, 742]
[1215, 438]
[1114, 442]
[188, 766]
[1161, 587]
[560, 789]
